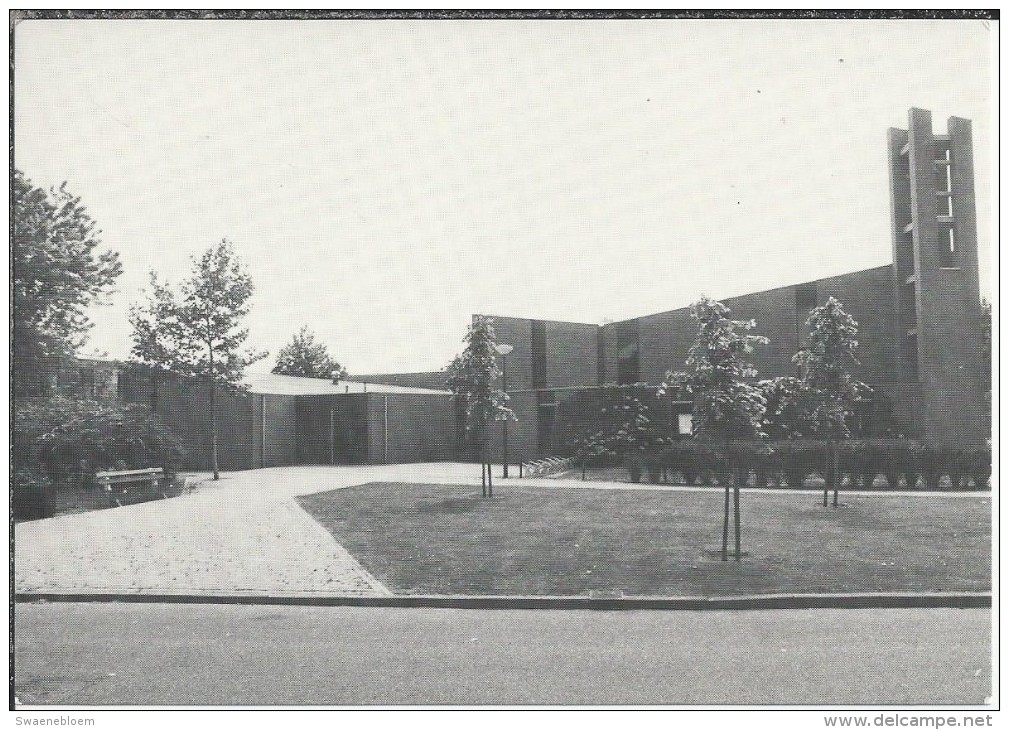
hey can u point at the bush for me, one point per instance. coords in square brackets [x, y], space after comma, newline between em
[933, 463]
[691, 459]
[865, 459]
[901, 461]
[622, 430]
[63, 438]
[977, 464]
[796, 460]
[895, 459]
[31, 496]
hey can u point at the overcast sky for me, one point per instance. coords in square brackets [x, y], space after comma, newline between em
[384, 180]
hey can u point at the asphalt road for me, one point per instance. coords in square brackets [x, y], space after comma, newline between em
[157, 654]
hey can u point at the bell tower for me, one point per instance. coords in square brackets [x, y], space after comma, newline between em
[937, 292]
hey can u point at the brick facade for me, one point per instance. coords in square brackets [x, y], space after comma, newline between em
[919, 347]
[919, 318]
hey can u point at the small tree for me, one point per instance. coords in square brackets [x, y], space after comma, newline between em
[56, 274]
[305, 358]
[727, 405]
[785, 417]
[623, 429]
[197, 331]
[472, 377]
[831, 390]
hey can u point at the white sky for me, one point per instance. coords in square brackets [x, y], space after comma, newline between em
[383, 180]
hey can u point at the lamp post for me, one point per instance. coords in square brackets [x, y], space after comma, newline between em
[503, 351]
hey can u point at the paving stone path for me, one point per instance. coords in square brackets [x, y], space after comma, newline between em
[245, 533]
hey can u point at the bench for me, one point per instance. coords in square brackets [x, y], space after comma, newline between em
[117, 484]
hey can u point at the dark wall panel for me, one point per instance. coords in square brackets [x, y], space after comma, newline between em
[665, 338]
[569, 354]
[281, 430]
[517, 333]
[332, 429]
[776, 318]
[184, 407]
[235, 423]
[868, 297]
[408, 427]
[572, 354]
[521, 432]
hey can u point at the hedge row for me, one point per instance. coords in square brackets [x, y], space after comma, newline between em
[788, 463]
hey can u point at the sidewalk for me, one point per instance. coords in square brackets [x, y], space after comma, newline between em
[244, 533]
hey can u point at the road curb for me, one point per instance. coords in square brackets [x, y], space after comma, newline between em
[734, 603]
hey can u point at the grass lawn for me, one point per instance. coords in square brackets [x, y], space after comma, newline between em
[443, 539]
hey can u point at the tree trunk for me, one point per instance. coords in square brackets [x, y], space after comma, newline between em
[828, 476]
[213, 430]
[832, 480]
[835, 449]
[725, 526]
[739, 550]
[487, 456]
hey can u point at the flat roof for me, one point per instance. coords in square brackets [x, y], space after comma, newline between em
[272, 384]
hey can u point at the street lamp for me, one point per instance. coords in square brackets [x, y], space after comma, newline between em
[503, 351]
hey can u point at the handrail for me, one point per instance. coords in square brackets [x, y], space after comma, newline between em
[549, 465]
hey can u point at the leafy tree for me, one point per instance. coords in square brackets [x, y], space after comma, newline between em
[197, 330]
[57, 274]
[830, 388]
[473, 377]
[726, 405]
[59, 439]
[624, 429]
[306, 358]
[785, 416]
[65, 437]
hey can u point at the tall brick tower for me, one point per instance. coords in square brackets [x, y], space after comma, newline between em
[938, 302]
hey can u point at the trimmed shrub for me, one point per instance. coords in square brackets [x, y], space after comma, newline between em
[691, 459]
[897, 459]
[865, 459]
[957, 470]
[634, 468]
[797, 459]
[977, 464]
[900, 461]
[933, 464]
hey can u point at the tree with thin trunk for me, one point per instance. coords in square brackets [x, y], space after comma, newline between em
[830, 388]
[303, 357]
[196, 331]
[57, 272]
[727, 405]
[473, 378]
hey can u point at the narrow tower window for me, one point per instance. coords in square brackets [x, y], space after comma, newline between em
[947, 248]
[942, 174]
